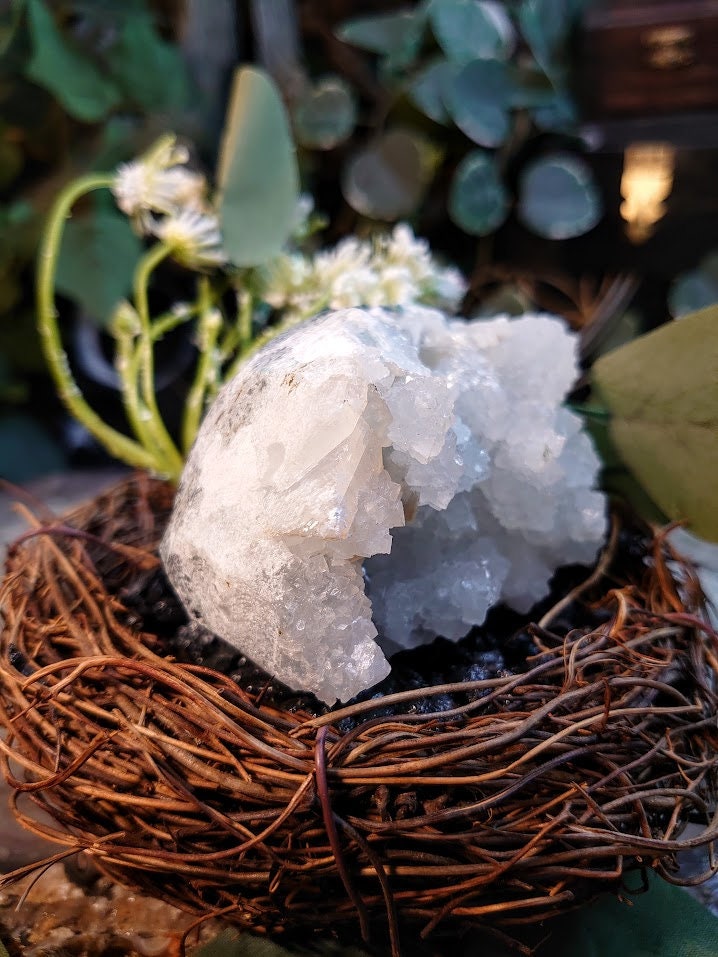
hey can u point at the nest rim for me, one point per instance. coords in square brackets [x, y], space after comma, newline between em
[181, 784]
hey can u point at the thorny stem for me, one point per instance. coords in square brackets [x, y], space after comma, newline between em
[119, 445]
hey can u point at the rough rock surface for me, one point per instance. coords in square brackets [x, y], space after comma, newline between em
[378, 470]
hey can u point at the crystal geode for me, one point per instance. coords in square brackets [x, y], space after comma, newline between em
[378, 471]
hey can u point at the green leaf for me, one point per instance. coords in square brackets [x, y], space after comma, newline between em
[397, 35]
[662, 392]
[472, 29]
[546, 25]
[326, 115]
[386, 181]
[96, 262]
[257, 177]
[558, 198]
[478, 97]
[85, 92]
[150, 71]
[426, 90]
[558, 115]
[664, 922]
[478, 201]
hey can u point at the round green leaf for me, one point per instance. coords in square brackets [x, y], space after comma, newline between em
[326, 115]
[691, 291]
[478, 201]
[478, 98]
[558, 198]
[472, 29]
[427, 89]
[386, 180]
[257, 177]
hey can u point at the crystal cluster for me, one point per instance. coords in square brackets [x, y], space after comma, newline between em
[371, 470]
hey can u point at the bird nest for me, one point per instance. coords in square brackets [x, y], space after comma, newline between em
[533, 792]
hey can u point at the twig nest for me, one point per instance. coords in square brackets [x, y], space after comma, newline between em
[371, 470]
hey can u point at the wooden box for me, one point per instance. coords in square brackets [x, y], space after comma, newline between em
[642, 57]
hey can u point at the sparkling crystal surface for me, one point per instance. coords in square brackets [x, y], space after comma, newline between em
[375, 470]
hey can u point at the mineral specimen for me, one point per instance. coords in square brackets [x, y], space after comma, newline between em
[372, 470]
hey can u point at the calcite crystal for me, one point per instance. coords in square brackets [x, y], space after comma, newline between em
[376, 471]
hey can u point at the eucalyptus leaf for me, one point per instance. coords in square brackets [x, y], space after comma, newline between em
[426, 90]
[85, 92]
[96, 262]
[478, 97]
[558, 198]
[662, 392]
[326, 115]
[397, 35]
[478, 201]
[387, 179]
[691, 291]
[257, 177]
[472, 29]
[150, 71]
[545, 25]
[558, 114]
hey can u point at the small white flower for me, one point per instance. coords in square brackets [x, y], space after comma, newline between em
[449, 287]
[355, 287]
[157, 182]
[284, 280]
[397, 287]
[195, 238]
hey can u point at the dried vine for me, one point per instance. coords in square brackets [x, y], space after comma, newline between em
[534, 793]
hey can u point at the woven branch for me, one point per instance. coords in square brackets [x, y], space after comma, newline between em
[538, 791]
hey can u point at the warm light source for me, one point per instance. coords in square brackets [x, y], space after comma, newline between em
[646, 182]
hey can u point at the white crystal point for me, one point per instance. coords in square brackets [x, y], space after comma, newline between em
[313, 457]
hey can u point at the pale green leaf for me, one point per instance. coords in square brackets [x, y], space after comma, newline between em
[96, 262]
[326, 114]
[397, 35]
[85, 92]
[472, 29]
[558, 198]
[257, 177]
[662, 392]
[478, 201]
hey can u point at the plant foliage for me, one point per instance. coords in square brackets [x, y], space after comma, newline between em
[497, 73]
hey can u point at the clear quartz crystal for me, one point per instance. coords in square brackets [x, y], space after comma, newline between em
[372, 470]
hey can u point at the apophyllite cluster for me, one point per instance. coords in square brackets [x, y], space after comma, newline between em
[373, 479]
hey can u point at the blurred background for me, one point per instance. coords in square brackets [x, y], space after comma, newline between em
[562, 152]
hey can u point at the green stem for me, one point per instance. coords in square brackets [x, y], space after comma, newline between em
[210, 323]
[244, 324]
[117, 444]
[154, 424]
[170, 320]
